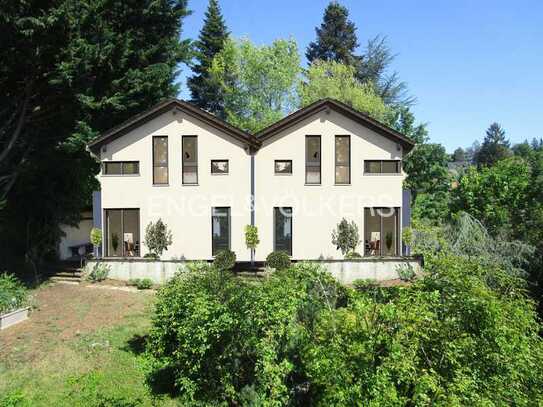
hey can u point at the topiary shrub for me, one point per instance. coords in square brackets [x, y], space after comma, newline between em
[96, 273]
[346, 236]
[224, 260]
[157, 238]
[279, 260]
[13, 294]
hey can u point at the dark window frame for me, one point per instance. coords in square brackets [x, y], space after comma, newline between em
[220, 173]
[398, 167]
[183, 160]
[105, 248]
[336, 164]
[281, 161]
[214, 250]
[281, 208]
[104, 166]
[398, 231]
[156, 165]
[307, 137]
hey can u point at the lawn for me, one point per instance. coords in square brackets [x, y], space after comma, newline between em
[81, 347]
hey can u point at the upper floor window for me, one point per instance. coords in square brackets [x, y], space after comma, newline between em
[283, 167]
[190, 159]
[312, 159]
[343, 160]
[382, 166]
[121, 168]
[219, 166]
[160, 160]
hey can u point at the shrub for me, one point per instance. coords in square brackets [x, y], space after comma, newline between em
[224, 260]
[98, 272]
[353, 255]
[406, 272]
[96, 237]
[279, 260]
[346, 236]
[13, 294]
[140, 283]
[157, 237]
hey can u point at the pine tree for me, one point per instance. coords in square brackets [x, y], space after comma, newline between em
[494, 148]
[205, 92]
[336, 37]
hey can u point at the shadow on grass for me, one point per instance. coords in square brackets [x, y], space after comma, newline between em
[161, 380]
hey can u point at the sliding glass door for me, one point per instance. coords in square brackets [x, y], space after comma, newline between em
[382, 231]
[122, 232]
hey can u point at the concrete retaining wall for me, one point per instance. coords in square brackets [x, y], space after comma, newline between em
[346, 271]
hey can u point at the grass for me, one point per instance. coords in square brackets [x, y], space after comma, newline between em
[100, 366]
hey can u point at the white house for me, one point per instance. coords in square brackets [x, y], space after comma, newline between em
[200, 175]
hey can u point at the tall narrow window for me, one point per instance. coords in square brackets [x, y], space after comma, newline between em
[122, 232]
[190, 159]
[282, 229]
[381, 231]
[220, 229]
[160, 160]
[343, 159]
[313, 159]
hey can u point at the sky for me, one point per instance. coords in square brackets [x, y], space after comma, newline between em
[468, 63]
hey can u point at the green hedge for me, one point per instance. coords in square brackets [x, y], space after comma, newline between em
[13, 294]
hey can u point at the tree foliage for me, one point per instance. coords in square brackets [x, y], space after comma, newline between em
[336, 37]
[206, 93]
[258, 83]
[71, 69]
[495, 147]
[338, 81]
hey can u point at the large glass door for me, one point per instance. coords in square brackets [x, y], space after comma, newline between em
[381, 231]
[220, 229]
[122, 232]
[282, 230]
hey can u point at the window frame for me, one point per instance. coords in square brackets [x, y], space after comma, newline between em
[282, 173]
[336, 164]
[105, 246]
[167, 165]
[399, 167]
[121, 174]
[229, 217]
[398, 214]
[183, 160]
[220, 173]
[307, 137]
[279, 208]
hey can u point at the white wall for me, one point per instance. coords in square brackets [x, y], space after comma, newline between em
[186, 209]
[318, 208]
[75, 236]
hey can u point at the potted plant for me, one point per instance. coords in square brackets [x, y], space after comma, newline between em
[115, 241]
[157, 238]
[388, 241]
[346, 237]
[13, 301]
[96, 239]
[251, 240]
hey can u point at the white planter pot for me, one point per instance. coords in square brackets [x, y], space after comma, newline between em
[13, 317]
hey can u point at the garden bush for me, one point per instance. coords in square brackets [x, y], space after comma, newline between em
[279, 260]
[13, 294]
[353, 255]
[224, 260]
[141, 283]
[96, 273]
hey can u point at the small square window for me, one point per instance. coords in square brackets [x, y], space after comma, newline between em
[219, 166]
[283, 166]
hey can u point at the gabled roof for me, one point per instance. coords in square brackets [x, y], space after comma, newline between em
[341, 108]
[165, 106]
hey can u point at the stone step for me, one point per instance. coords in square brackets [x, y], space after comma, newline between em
[68, 279]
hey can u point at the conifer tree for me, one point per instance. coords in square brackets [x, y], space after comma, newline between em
[205, 92]
[494, 148]
[336, 37]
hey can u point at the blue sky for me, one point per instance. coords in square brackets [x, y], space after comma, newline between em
[468, 63]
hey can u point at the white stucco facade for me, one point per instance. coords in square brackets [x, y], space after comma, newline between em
[187, 209]
[317, 209]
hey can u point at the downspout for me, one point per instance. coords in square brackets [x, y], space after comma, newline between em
[252, 200]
